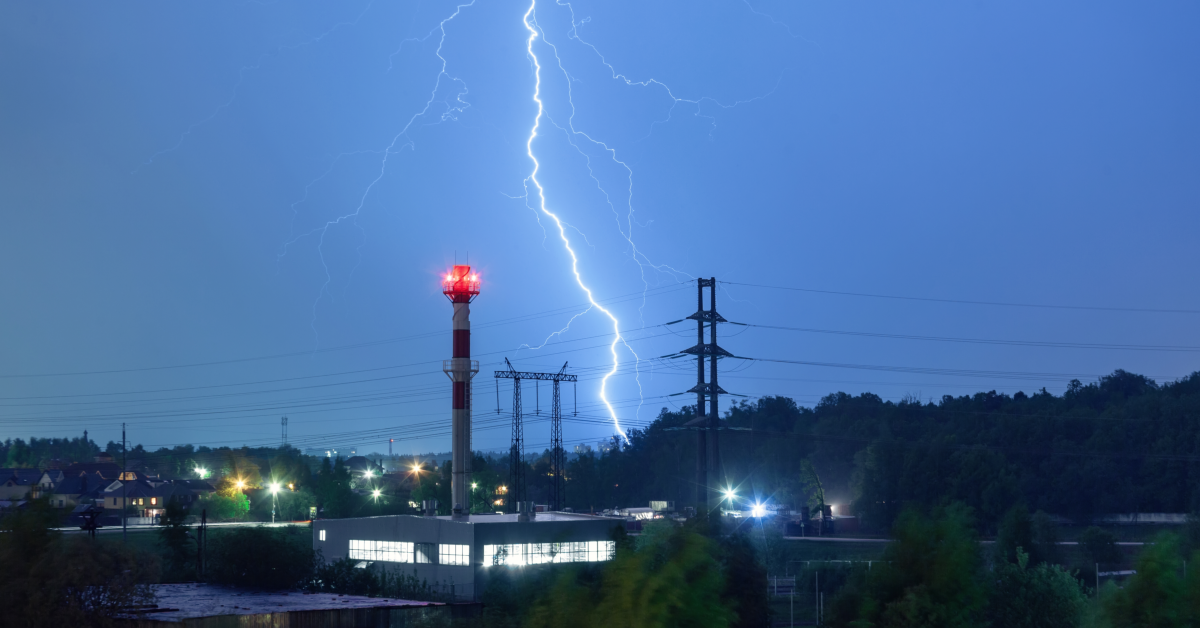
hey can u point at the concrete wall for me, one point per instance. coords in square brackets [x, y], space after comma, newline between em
[339, 533]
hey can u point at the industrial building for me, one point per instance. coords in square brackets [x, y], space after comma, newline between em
[457, 554]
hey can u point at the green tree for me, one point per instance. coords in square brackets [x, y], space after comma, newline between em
[334, 494]
[929, 577]
[811, 482]
[1157, 596]
[1035, 534]
[224, 507]
[295, 505]
[745, 589]
[672, 579]
[47, 580]
[1045, 596]
[178, 546]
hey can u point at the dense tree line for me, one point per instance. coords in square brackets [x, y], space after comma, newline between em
[1123, 444]
[41, 452]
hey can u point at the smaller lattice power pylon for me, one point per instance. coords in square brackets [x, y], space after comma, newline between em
[558, 456]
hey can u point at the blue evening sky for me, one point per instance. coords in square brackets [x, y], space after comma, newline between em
[216, 214]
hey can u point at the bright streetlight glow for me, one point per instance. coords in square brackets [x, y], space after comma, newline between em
[758, 511]
[369, 473]
[416, 468]
[375, 493]
[474, 485]
[730, 494]
[202, 472]
[241, 484]
[274, 487]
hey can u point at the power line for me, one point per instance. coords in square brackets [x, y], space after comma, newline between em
[968, 302]
[633, 296]
[1024, 343]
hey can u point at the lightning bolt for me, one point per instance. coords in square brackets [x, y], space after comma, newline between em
[562, 231]
[575, 137]
[395, 146]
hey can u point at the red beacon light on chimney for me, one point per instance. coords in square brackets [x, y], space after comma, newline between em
[460, 285]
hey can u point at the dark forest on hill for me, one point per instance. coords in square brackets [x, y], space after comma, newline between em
[1123, 444]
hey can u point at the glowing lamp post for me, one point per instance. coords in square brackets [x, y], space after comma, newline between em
[274, 493]
[461, 287]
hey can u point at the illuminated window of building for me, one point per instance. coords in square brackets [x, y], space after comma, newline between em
[384, 551]
[322, 535]
[426, 553]
[141, 501]
[454, 554]
[153, 501]
[519, 554]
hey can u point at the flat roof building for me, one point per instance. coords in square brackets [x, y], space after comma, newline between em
[457, 555]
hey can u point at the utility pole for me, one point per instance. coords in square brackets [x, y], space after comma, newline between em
[710, 476]
[558, 456]
[124, 486]
[717, 475]
[283, 421]
[701, 432]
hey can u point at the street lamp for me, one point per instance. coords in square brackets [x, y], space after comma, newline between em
[758, 511]
[730, 494]
[274, 492]
[202, 472]
[368, 473]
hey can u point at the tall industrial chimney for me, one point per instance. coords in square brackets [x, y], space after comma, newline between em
[461, 287]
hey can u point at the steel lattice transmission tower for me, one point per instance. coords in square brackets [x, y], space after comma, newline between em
[710, 474]
[558, 456]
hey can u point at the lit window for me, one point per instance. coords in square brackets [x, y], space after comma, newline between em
[538, 553]
[153, 501]
[426, 553]
[322, 535]
[454, 554]
[384, 551]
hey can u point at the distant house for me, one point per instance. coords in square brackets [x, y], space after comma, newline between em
[75, 491]
[149, 498]
[49, 479]
[8, 504]
[107, 469]
[19, 484]
[188, 491]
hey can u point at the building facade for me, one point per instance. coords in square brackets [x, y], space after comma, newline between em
[457, 555]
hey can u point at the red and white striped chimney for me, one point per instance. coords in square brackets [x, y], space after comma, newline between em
[461, 287]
